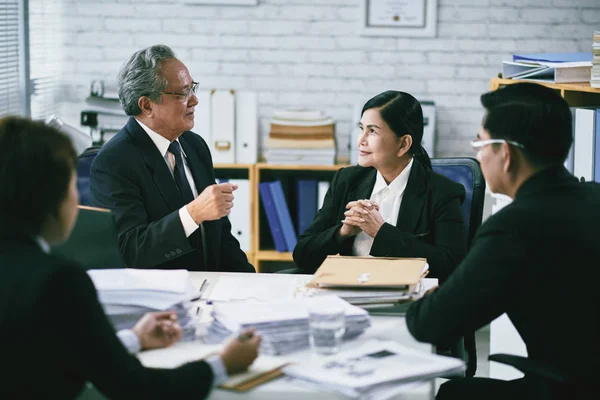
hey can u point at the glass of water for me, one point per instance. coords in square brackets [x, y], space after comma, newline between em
[326, 328]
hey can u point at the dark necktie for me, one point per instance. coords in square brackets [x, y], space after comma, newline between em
[179, 174]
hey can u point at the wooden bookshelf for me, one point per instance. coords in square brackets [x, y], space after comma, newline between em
[262, 249]
[495, 83]
[576, 94]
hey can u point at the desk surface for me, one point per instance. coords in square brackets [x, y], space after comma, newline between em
[383, 327]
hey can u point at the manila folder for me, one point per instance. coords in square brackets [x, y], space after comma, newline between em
[369, 272]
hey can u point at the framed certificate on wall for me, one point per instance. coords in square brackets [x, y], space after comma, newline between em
[408, 18]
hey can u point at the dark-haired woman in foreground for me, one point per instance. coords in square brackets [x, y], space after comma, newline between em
[54, 332]
[391, 204]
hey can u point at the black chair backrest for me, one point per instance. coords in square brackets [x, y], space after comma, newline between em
[83, 174]
[93, 243]
[466, 171]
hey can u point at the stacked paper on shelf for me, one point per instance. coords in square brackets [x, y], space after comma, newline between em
[595, 75]
[283, 324]
[301, 136]
[374, 370]
[127, 294]
[549, 67]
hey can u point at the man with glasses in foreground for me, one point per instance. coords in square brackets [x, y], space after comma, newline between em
[529, 259]
[157, 176]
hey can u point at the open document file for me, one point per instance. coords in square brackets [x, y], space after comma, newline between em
[127, 294]
[283, 324]
[373, 369]
[263, 369]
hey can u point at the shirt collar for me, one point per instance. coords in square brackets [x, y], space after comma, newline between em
[396, 186]
[43, 244]
[161, 142]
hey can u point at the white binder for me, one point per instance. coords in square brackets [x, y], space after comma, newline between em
[246, 127]
[222, 143]
[428, 142]
[202, 116]
[583, 150]
[240, 213]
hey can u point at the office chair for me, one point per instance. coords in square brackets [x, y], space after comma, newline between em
[466, 171]
[553, 384]
[83, 174]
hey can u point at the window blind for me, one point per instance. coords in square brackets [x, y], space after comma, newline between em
[45, 40]
[11, 95]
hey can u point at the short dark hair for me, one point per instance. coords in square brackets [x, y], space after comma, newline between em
[533, 115]
[404, 115]
[36, 166]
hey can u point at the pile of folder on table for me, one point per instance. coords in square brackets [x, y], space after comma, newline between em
[127, 294]
[376, 369]
[370, 281]
[282, 324]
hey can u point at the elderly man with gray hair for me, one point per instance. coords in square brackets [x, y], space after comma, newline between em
[158, 178]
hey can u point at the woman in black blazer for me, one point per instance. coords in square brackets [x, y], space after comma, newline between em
[391, 204]
[54, 333]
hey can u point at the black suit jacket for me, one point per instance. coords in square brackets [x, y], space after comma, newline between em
[430, 222]
[537, 261]
[130, 177]
[55, 337]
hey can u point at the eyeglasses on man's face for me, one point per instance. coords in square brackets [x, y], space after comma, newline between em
[186, 94]
[478, 144]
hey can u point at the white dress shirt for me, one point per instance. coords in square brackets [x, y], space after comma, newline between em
[162, 144]
[389, 198]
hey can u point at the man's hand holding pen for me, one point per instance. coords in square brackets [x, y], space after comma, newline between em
[241, 352]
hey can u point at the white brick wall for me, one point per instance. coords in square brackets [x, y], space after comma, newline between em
[308, 52]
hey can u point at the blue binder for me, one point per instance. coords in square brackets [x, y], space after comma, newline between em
[306, 203]
[274, 225]
[283, 213]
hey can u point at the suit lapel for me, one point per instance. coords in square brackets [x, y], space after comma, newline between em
[163, 180]
[210, 229]
[362, 187]
[413, 199]
[199, 173]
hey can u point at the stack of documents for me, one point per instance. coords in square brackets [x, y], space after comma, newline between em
[283, 324]
[365, 281]
[301, 136]
[375, 368]
[595, 76]
[127, 294]
[549, 67]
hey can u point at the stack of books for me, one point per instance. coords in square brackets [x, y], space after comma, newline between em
[595, 78]
[282, 324]
[299, 136]
[127, 294]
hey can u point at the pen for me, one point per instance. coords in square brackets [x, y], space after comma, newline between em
[242, 337]
[199, 290]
